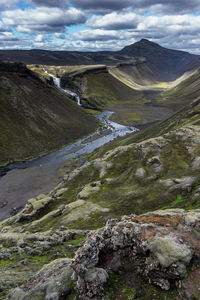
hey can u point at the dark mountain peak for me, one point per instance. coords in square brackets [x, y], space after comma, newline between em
[145, 41]
[141, 46]
[170, 63]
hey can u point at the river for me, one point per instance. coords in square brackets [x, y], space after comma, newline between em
[28, 179]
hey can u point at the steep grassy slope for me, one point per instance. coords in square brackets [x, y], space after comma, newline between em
[184, 92]
[134, 75]
[34, 117]
[102, 90]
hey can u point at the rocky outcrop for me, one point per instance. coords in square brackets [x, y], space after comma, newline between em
[52, 282]
[158, 245]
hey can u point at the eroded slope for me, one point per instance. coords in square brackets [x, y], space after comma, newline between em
[34, 117]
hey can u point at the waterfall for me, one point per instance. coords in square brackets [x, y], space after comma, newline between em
[73, 95]
[56, 81]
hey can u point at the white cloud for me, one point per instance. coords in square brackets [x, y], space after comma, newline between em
[98, 45]
[8, 36]
[3, 27]
[41, 20]
[95, 35]
[39, 45]
[115, 21]
[60, 35]
[39, 38]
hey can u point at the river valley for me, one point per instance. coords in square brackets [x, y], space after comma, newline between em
[27, 179]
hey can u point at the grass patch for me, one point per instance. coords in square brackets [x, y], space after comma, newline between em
[119, 287]
[92, 111]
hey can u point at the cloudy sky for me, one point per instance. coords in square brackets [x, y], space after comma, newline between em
[91, 25]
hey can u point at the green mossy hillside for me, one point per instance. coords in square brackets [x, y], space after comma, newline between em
[103, 90]
[184, 92]
[35, 118]
[155, 173]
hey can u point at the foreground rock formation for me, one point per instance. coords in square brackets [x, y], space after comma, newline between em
[158, 248]
[162, 246]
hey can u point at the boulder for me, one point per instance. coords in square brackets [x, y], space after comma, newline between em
[140, 173]
[196, 163]
[158, 245]
[52, 282]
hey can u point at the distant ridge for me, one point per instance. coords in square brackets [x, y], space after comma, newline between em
[167, 62]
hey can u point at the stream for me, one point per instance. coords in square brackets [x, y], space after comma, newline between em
[56, 81]
[27, 179]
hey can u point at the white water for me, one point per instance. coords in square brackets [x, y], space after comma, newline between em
[56, 81]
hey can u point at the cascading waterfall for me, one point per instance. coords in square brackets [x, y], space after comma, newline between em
[56, 81]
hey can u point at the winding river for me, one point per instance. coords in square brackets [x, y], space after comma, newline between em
[28, 179]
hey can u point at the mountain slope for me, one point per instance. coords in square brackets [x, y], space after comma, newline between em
[168, 63]
[136, 75]
[34, 117]
[184, 91]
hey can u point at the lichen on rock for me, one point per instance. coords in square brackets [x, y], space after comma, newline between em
[169, 251]
[52, 282]
[161, 244]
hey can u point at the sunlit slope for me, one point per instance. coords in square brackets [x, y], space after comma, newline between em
[186, 89]
[134, 75]
[34, 117]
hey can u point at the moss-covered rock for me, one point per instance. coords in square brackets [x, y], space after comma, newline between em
[168, 251]
[157, 247]
[53, 281]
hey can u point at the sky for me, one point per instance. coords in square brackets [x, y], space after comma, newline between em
[94, 25]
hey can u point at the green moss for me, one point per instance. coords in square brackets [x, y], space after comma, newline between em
[129, 293]
[39, 259]
[77, 241]
[5, 263]
[92, 111]
[176, 203]
[118, 287]
[72, 295]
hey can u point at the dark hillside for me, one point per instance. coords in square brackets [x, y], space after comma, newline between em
[34, 117]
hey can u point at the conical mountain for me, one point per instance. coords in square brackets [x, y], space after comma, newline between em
[169, 63]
